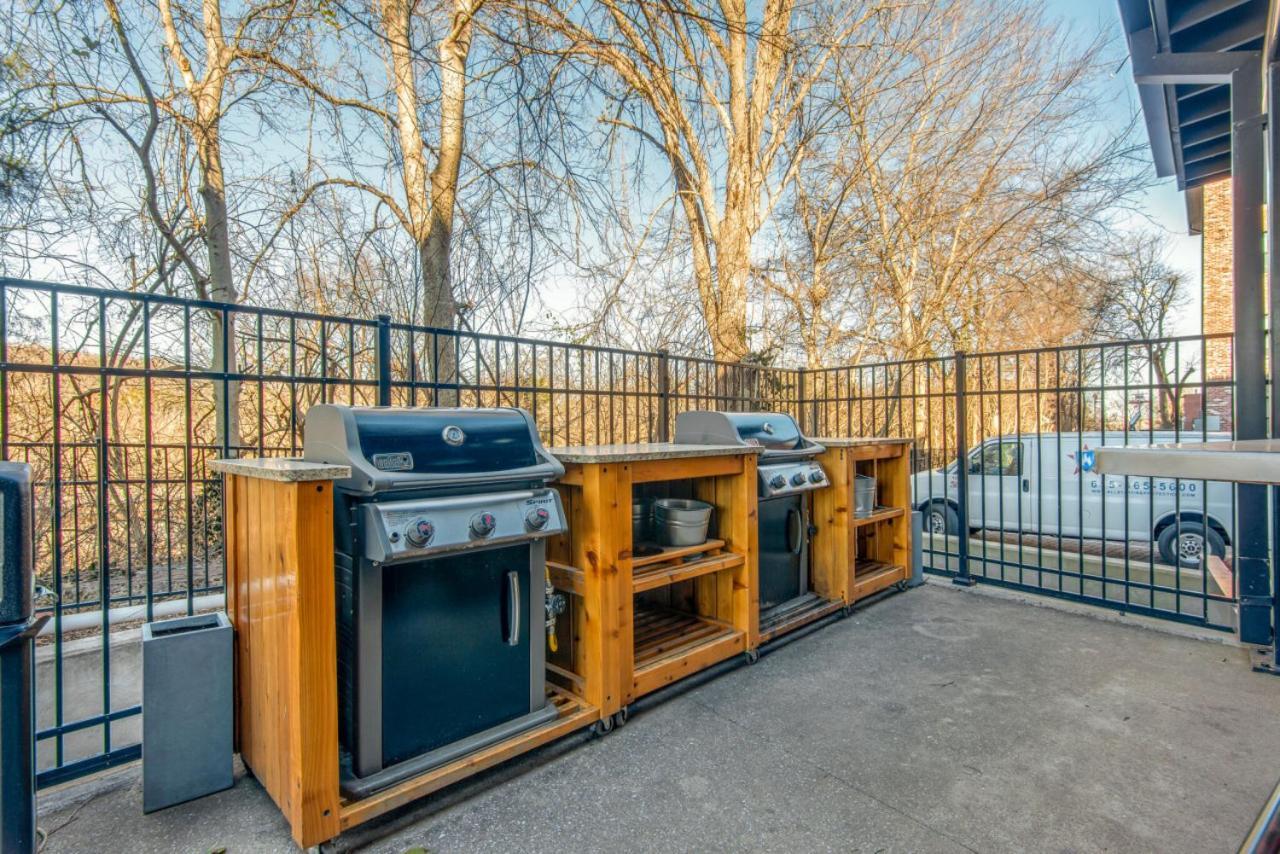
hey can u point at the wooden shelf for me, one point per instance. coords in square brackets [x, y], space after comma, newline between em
[881, 514]
[661, 575]
[573, 714]
[792, 619]
[565, 577]
[670, 553]
[670, 645]
[872, 576]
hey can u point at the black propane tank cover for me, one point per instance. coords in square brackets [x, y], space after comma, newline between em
[15, 542]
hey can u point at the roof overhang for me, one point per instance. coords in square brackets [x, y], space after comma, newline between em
[1182, 61]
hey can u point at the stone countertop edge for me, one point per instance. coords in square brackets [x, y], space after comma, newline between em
[854, 441]
[283, 469]
[1245, 461]
[646, 451]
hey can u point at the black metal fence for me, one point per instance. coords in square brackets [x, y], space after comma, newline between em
[119, 400]
[1025, 509]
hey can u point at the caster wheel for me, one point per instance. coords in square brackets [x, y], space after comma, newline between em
[620, 717]
[901, 585]
[846, 611]
[753, 655]
[603, 727]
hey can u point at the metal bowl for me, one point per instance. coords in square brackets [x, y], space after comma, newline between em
[681, 521]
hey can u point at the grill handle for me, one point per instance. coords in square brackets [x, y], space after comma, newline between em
[795, 531]
[513, 608]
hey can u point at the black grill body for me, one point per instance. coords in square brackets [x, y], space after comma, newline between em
[440, 559]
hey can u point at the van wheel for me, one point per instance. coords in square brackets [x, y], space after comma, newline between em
[941, 519]
[1185, 544]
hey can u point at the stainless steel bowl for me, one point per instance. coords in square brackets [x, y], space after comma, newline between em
[681, 521]
[864, 495]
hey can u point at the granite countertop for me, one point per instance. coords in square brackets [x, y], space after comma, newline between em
[283, 469]
[1245, 461]
[646, 451]
[855, 441]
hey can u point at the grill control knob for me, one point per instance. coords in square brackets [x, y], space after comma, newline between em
[482, 524]
[419, 532]
[537, 518]
[815, 476]
[778, 481]
[797, 479]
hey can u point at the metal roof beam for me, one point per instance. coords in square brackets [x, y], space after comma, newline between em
[1191, 14]
[1149, 66]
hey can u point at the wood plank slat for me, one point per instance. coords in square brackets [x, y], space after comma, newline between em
[672, 553]
[660, 576]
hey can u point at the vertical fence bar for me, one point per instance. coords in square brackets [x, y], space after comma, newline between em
[664, 396]
[383, 356]
[962, 577]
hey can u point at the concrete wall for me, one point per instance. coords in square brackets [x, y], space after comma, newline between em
[82, 671]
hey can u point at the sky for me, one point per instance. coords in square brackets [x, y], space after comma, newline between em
[1162, 205]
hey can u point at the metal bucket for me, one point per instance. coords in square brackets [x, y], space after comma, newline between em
[864, 495]
[641, 511]
[681, 521]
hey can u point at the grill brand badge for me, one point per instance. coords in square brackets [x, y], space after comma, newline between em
[402, 461]
[453, 435]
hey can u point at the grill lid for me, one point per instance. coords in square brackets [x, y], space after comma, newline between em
[397, 448]
[776, 432]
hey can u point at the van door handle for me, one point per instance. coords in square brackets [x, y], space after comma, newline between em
[513, 608]
[1026, 485]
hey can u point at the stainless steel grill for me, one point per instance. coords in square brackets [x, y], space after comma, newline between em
[440, 562]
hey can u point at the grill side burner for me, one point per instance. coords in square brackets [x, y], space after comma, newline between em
[787, 473]
[440, 564]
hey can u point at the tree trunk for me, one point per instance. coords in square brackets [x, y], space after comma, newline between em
[226, 393]
[431, 216]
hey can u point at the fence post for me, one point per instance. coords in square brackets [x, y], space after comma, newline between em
[664, 397]
[382, 353]
[801, 409]
[962, 475]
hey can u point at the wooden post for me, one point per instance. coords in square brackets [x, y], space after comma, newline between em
[280, 599]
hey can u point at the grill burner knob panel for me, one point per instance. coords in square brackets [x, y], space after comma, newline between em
[419, 532]
[797, 479]
[482, 524]
[537, 518]
[778, 481]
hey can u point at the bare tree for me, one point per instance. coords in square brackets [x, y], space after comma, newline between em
[1136, 294]
[719, 93]
[957, 195]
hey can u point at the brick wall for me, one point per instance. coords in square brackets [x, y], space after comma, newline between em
[1215, 300]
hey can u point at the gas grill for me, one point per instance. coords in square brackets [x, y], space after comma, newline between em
[788, 474]
[440, 564]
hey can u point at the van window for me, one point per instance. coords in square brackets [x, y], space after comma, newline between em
[997, 459]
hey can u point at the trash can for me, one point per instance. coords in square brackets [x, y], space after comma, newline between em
[18, 630]
[186, 709]
[917, 550]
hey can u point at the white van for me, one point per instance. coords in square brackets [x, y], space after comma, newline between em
[1043, 483]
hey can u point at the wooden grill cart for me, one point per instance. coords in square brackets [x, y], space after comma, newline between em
[857, 555]
[281, 600]
[636, 624]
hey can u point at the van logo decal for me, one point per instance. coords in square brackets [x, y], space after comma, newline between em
[1084, 460]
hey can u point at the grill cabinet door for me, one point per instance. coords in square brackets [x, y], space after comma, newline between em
[780, 525]
[448, 667]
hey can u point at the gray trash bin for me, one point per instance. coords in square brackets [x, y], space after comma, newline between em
[917, 549]
[186, 709]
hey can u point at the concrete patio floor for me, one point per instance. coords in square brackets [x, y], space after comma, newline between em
[938, 719]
